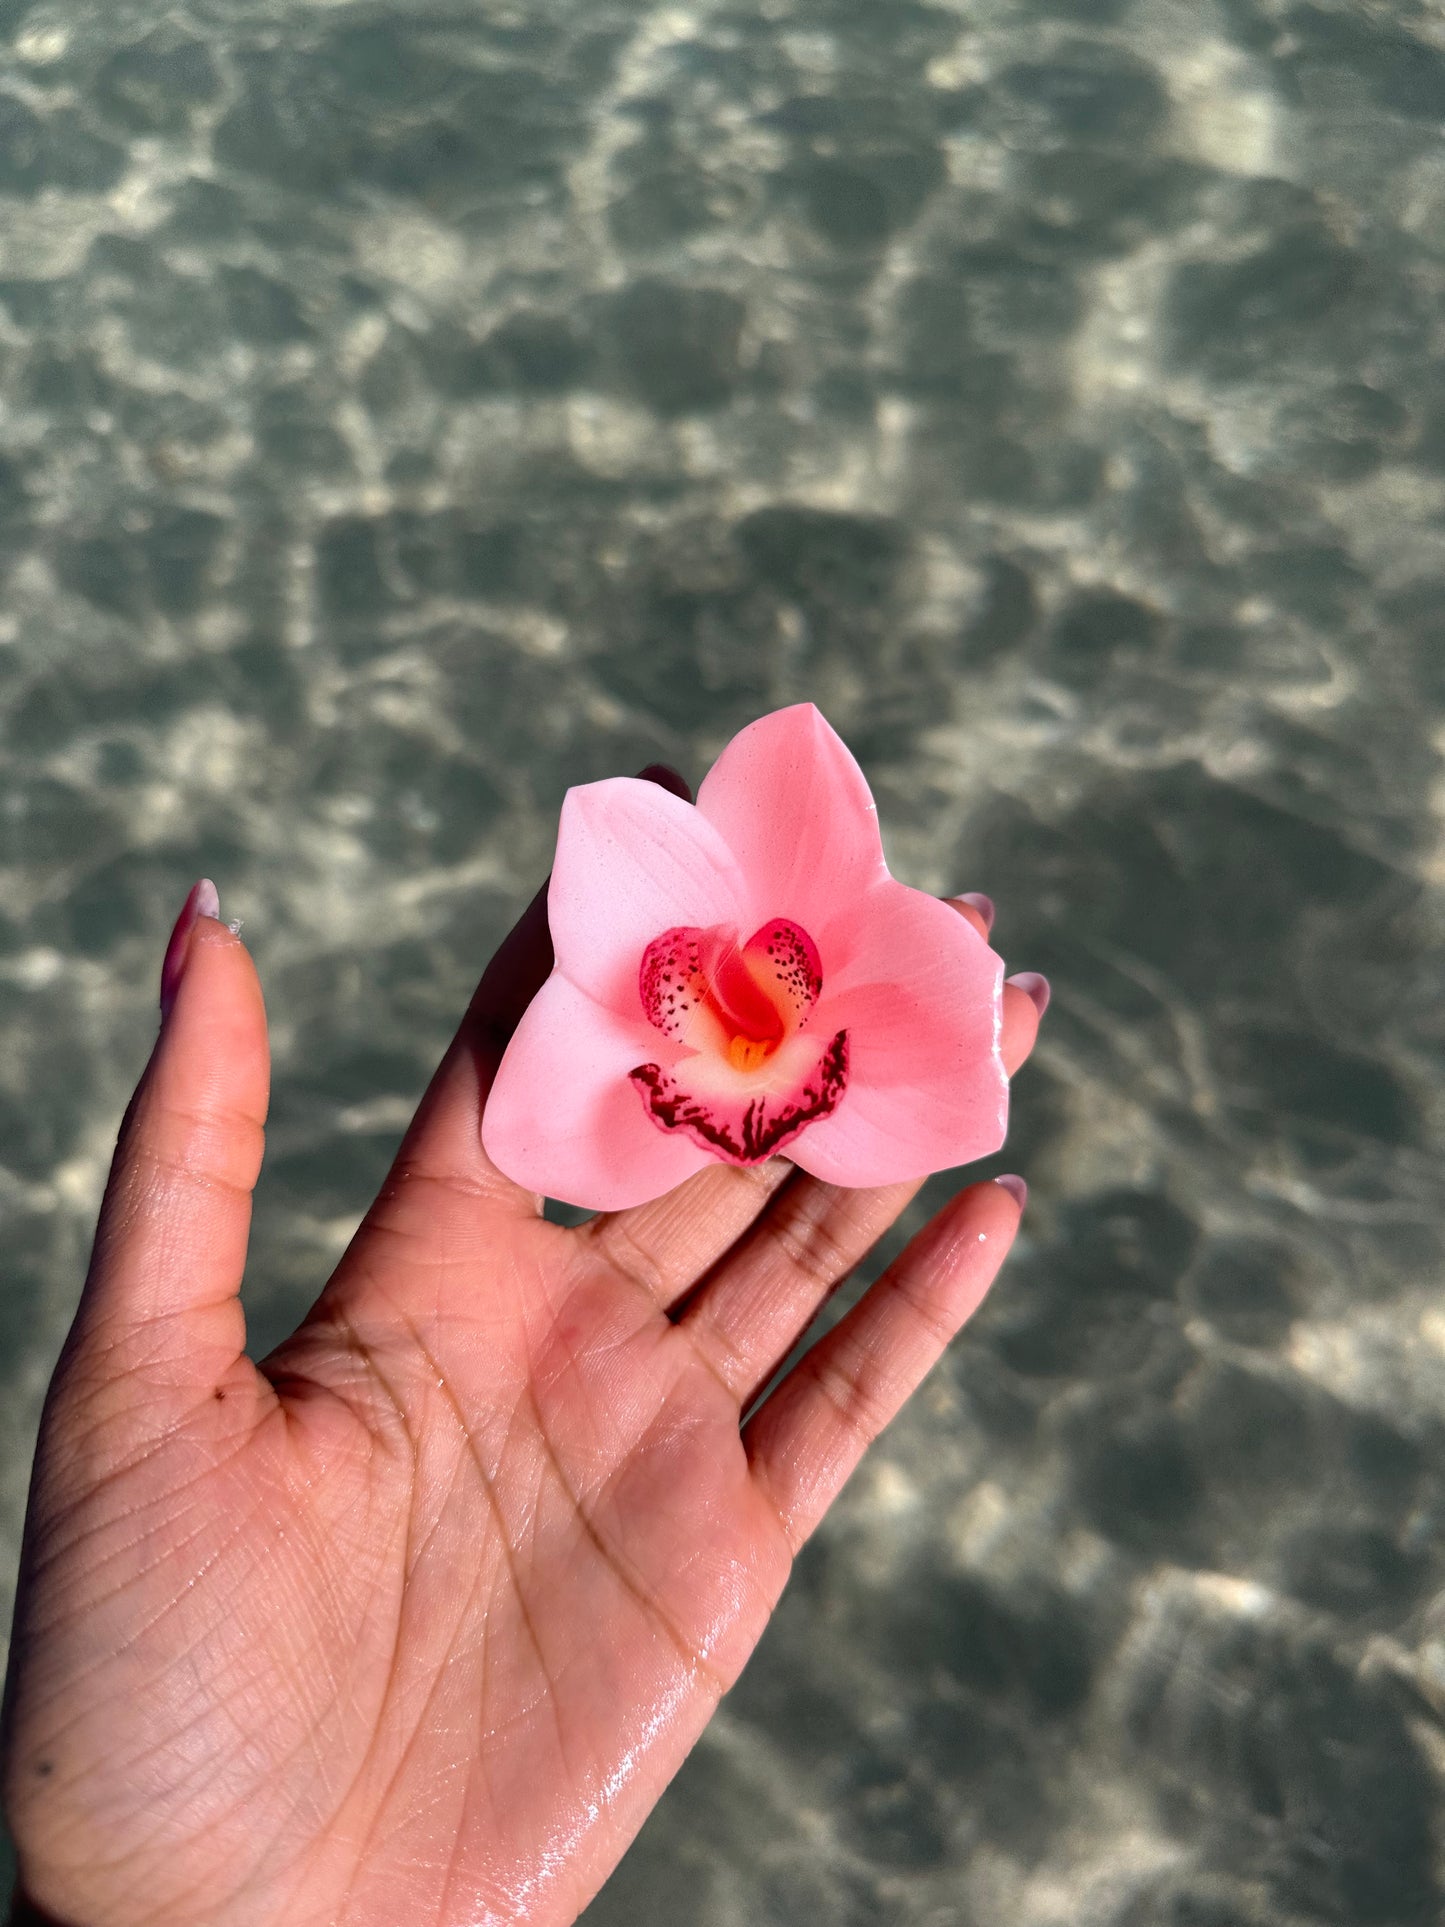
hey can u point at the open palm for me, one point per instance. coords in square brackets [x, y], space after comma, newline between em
[413, 1621]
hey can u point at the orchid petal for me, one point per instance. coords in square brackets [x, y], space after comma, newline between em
[784, 959]
[796, 812]
[632, 861]
[674, 984]
[920, 997]
[563, 1119]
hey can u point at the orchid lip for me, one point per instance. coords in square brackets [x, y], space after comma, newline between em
[741, 1001]
[750, 1075]
[750, 1131]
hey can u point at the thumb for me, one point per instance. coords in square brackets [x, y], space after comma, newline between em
[162, 1294]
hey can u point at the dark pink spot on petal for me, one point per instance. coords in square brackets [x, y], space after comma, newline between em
[671, 979]
[784, 959]
[750, 1128]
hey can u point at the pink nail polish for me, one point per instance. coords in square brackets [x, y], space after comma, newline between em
[976, 900]
[1034, 987]
[204, 901]
[1016, 1188]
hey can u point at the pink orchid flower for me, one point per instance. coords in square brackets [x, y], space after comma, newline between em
[741, 977]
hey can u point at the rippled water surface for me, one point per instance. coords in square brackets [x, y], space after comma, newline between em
[407, 412]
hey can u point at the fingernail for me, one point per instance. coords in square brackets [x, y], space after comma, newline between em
[976, 900]
[204, 901]
[1035, 987]
[1016, 1188]
[667, 778]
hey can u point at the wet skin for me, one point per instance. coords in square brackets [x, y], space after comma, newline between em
[415, 1619]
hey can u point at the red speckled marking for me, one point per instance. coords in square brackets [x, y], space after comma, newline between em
[767, 1122]
[785, 958]
[672, 980]
[765, 989]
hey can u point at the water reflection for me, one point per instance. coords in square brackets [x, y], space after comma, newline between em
[411, 414]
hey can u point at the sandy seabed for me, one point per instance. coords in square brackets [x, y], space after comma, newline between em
[407, 412]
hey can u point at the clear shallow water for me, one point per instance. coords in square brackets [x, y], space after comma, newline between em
[405, 413]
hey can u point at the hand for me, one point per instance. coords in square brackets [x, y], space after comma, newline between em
[414, 1620]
